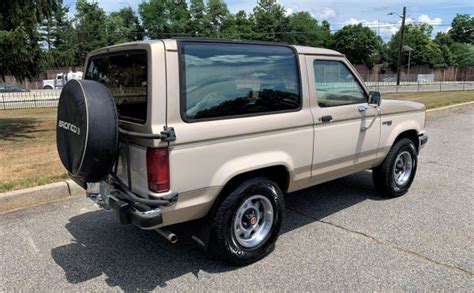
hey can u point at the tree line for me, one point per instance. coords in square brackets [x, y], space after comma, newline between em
[39, 34]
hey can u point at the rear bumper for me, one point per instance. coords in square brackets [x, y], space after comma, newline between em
[423, 139]
[141, 216]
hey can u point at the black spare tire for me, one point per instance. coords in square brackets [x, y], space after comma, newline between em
[87, 130]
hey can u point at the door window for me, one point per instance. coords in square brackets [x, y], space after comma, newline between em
[336, 85]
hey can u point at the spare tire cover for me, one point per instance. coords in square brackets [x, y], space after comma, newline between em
[87, 130]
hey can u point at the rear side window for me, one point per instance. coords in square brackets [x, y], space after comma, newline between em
[125, 75]
[229, 80]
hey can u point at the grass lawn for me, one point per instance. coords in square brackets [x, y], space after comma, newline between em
[28, 155]
[435, 99]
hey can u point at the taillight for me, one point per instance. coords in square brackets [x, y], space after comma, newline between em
[158, 169]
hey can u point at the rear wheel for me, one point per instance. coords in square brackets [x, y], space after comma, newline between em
[395, 175]
[247, 222]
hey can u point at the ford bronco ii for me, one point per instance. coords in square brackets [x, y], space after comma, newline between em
[214, 133]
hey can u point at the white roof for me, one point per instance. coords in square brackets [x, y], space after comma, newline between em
[316, 51]
[171, 44]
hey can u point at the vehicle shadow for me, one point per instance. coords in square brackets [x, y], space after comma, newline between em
[14, 128]
[134, 259]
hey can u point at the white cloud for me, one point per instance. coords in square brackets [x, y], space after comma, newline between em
[325, 13]
[426, 19]
[385, 29]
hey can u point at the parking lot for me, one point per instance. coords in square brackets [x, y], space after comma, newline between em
[337, 236]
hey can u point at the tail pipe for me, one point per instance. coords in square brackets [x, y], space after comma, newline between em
[168, 235]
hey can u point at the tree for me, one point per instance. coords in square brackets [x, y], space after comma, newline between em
[443, 38]
[417, 37]
[463, 54]
[360, 44]
[325, 37]
[271, 23]
[90, 28]
[218, 18]
[462, 29]
[164, 19]
[62, 40]
[244, 26]
[178, 18]
[305, 30]
[197, 21]
[123, 26]
[20, 51]
[47, 28]
[153, 18]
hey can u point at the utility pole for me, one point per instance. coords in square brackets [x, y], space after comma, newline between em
[402, 29]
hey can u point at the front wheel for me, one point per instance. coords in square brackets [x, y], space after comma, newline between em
[395, 175]
[247, 222]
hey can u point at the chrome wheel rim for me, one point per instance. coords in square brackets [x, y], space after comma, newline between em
[253, 221]
[403, 168]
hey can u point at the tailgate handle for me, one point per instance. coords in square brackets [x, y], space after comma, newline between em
[167, 134]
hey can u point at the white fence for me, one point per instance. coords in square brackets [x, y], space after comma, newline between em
[50, 98]
[26, 100]
[415, 87]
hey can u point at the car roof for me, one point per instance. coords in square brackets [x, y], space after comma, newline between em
[316, 51]
[171, 44]
[299, 49]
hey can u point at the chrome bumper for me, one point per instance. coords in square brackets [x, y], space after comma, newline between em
[423, 139]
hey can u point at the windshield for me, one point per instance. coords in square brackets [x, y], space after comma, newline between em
[125, 75]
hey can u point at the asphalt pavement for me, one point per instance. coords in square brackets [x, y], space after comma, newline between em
[337, 236]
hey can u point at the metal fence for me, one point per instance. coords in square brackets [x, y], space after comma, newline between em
[50, 98]
[27, 100]
[416, 87]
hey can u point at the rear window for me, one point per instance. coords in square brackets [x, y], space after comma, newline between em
[125, 75]
[230, 80]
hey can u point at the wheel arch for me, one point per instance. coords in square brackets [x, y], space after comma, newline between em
[411, 134]
[278, 173]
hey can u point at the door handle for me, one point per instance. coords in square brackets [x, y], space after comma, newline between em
[326, 118]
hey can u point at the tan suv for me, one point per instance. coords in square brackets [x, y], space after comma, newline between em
[213, 133]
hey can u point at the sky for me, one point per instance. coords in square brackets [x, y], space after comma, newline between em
[438, 13]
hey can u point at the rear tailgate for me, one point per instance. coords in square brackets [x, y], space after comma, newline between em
[137, 171]
[135, 75]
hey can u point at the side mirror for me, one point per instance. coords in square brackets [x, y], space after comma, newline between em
[375, 98]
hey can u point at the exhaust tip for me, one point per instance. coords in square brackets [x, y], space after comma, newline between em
[168, 235]
[173, 238]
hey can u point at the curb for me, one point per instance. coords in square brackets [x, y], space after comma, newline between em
[17, 199]
[451, 107]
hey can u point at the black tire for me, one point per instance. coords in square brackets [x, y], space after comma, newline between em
[47, 87]
[223, 243]
[383, 176]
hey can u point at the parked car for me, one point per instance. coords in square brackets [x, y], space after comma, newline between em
[213, 134]
[11, 88]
